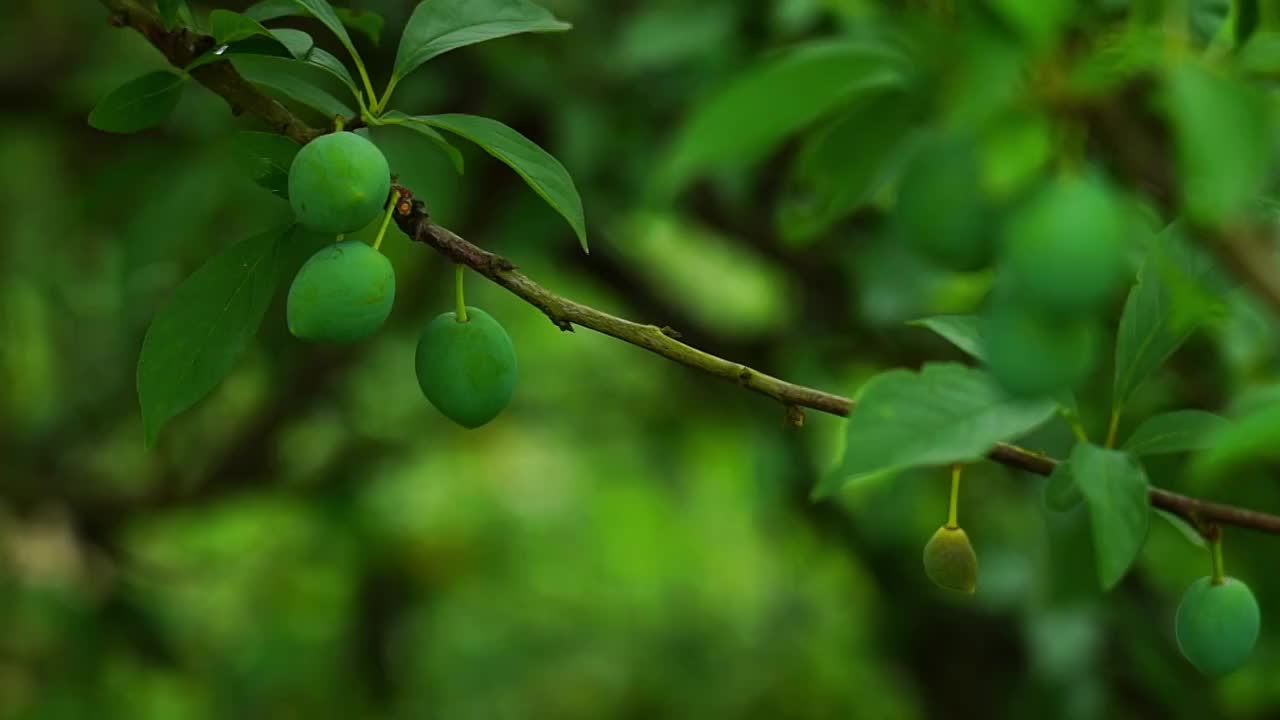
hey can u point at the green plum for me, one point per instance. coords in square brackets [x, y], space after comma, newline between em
[1064, 249]
[342, 294]
[467, 369]
[942, 212]
[1217, 625]
[1034, 355]
[338, 183]
[950, 562]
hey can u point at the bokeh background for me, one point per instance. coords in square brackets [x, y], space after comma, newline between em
[629, 539]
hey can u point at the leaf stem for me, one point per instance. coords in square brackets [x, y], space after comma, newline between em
[386, 219]
[458, 296]
[1215, 548]
[1113, 428]
[368, 84]
[952, 521]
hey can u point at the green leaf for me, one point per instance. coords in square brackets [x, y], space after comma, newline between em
[539, 169]
[1261, 55]
[1192, 535]
[1175, 432]
[266, 158]
[1206, 18]
[438, 26]
[172, 11]
[323, 59]
[840, 167]
[944, 414]
[1061, 492]
[748, 118]
[1253, 436]
[1163, 309]
[138, 104]
[228, 27]
[1223, 131]
[196, 338]
[324, 12]
[1115, 488]
[362, 21]
[1248, 16]
[282, 75]
[395, 117]
[963, 331]
[285, 43]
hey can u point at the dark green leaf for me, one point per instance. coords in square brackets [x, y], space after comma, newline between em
[173, 11]
[1175, 432]
[1115, 488]
[1248, 15]
[196, 338]
[1161, 312]
[1192, 535]
[138, 104]
[396, 117]
[228, 27]
[266, 158]
[438, 26]
[747, 119]
[1061, 492]
[1253, 436]
[963, 331]
[539, 169]
[324, 12]
[284, 43]
[323, 59]
[944, 414]
[840, 167]
[283, 76]
[363, 21]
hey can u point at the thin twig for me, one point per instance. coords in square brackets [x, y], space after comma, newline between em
[181, 46]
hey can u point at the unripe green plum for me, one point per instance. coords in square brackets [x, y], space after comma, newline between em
[942, 212]
[1217, 625]
[1065, 248]
[950, 562]
[1035, 355]
[467, 369]
[342, 294]
[338, 183]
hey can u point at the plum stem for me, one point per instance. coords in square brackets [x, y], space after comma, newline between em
[952, 520]
[386, 219]
[458, 295]
[1215, 547]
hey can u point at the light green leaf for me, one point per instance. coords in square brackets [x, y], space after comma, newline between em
[1115, 488]
[266, 158]
[138, 104]
[1223, 131]
[282, 75]
[438, 26]
[749, 117]
[1261, 55]
[963, 331]
[395, 117]
[539, 169]
[196, 338]
[1175, 432]
[1163, 309]
[362, 21]
[944, 414]
[1192, 535]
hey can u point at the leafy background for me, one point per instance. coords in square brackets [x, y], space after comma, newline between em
[629, 539]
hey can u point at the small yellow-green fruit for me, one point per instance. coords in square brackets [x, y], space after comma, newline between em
[342, 294]
[466, 369]
[950, 562]
[1217, 625]
[338, 183]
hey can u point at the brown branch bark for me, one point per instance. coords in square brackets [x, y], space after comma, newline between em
[181, 46]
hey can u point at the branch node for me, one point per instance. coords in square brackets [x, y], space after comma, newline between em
[117, 20]
[793, 416]
[670, 332]
[744, 375]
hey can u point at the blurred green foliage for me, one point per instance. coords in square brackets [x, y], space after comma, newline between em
[629, 539]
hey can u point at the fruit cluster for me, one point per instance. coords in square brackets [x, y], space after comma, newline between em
[1059, 254]
[340, 183]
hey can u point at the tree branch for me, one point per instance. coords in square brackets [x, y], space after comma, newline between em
[182, 46]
